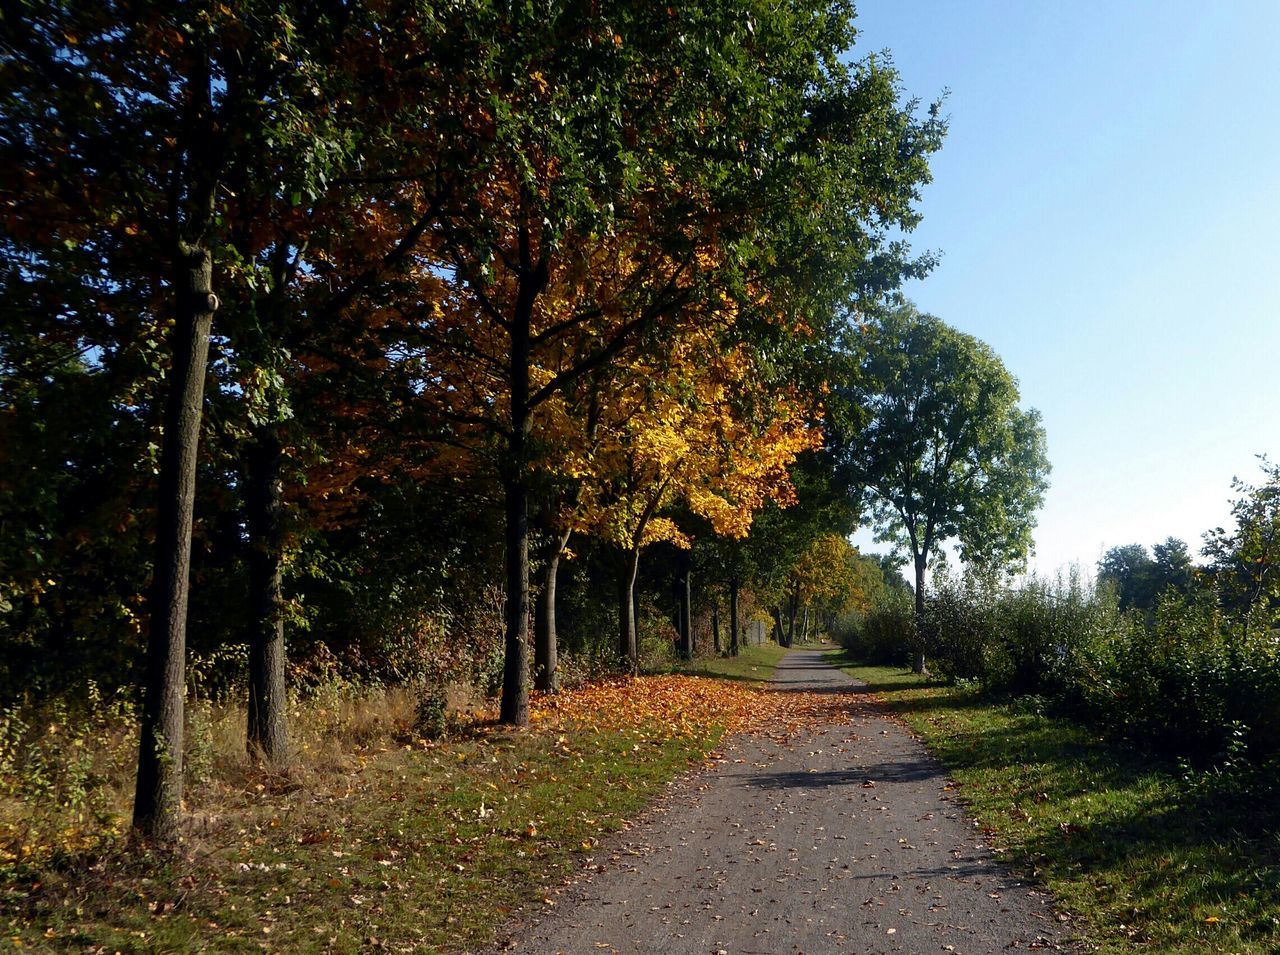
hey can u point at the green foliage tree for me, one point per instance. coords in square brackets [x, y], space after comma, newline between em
[947, 453]
[728, 152]
[1139, 578]
[1245, 561]
[1128, 570]
[170, 154]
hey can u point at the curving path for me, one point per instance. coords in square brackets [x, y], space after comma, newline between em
[842, 840]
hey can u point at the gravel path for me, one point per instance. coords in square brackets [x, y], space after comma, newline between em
[844, 840]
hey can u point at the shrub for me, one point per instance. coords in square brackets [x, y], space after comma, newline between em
[885, 633]
[1192, 679]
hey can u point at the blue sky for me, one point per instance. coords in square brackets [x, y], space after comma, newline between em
[1108, 208]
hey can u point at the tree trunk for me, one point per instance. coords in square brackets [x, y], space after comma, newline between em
[158, 797]
[733, 616]
[627, 649]
[545, 647]
[685, 605]
[917, 661]
[264, 498]
[514, 708]
[715, 625]
[804, 626]
[792, 609]
[779, 631]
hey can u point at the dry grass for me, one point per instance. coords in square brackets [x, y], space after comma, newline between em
[66, 779]
[372, 832]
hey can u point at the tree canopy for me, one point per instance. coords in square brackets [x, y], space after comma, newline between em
[946, 454]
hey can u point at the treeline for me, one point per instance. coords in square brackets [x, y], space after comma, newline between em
[1183, 658]
[362, 329]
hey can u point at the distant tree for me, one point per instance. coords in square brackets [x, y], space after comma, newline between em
[1139, 577]
[1129, 570]
[947, 453]
[890, 570]
[1173, 565]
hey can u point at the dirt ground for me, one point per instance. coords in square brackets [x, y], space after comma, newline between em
[846, 839]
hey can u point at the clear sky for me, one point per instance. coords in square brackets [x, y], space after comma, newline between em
[1108, 208]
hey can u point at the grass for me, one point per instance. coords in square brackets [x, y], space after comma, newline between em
[1150, 859]
[385, 842]
[752, 664]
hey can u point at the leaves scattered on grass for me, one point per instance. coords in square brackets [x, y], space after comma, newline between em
[423, 846]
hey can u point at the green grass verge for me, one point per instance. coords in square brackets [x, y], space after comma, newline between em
[418, 849]
[752, 664]
[1148, 861]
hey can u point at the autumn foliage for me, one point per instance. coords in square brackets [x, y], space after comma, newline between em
[335, 335]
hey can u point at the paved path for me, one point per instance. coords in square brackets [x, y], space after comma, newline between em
[843, 840]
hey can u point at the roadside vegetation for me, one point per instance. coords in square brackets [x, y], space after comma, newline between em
[375, 837]
[1120, 738]
[1142, 854]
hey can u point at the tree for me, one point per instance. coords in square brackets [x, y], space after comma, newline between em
[1173, 565]
[1129, 570]
[181, 150]
[1139, 578]
[780, 537]
[1246, 560]
[626, 165]
[695, 427]
[947, 453]
[124, 120]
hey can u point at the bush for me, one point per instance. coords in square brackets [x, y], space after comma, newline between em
[1192, 679]
[884, 634]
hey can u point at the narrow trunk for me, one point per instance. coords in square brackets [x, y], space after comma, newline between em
[684, 590]
[792, 609]
[917, 662]
[158, 797]
[715, 625]
[264, 498]
[804, 627]
[545, 646]
[514, 709]
[733, 616]
[627, 649]
[779, 631]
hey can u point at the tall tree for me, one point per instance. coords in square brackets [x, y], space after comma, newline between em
[174, 146]
[643, 155]
[947, 454]
[1128, 569]
[123, 119]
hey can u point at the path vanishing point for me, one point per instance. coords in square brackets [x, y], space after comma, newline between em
[843, 839]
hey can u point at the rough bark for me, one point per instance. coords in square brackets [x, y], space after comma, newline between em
[734, 636]
[158, 796]
[715, 626]
[514, 707]
[264, 497]
[779, 631]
